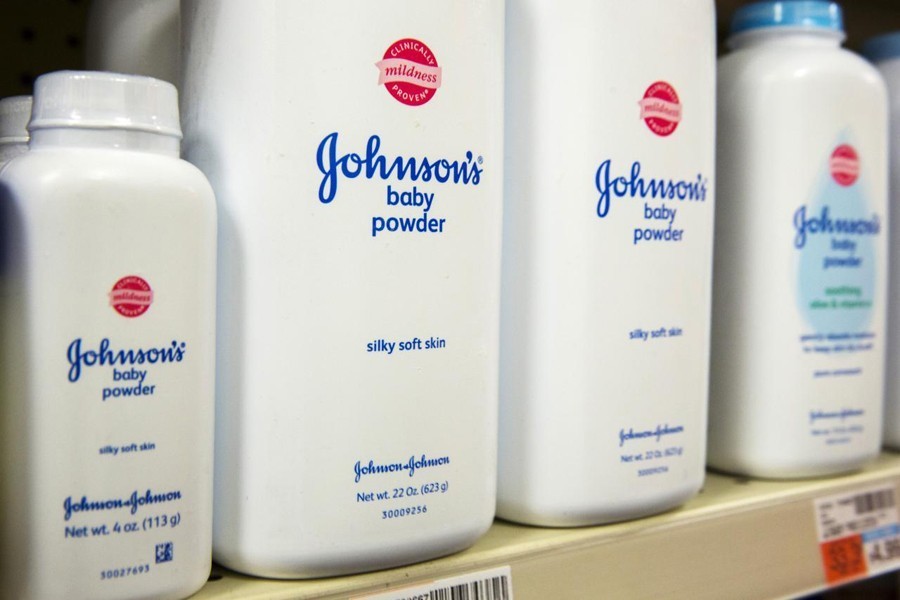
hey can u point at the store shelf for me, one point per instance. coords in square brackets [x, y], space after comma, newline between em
[744, 539]
[737, 539]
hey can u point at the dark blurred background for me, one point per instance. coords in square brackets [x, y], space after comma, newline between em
[38, 36]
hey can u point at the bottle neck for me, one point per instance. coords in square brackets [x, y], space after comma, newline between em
[119, 139]
[786, 36]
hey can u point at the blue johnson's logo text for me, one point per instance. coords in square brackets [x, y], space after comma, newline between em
[823, 222]
[661, 430]
[136, 500]
[410, 466]
[372, 164]
[636, 186]
[80, 358]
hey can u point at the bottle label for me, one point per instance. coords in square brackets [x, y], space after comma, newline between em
[651, 450]
[834, 236]
[401, 489]
[131, 296]
[835, 239]
[124, 386]
[656, 211]
[844, 165]
[410, 72]
[661, 108]
[388, 200]
[412, 196]
[662, 199]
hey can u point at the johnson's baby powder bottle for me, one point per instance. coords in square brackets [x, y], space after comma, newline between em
[14, 114]
[134, 36]
[607, 258]
[884, 51]
[356, 153]
[107, 297]
[801, 248]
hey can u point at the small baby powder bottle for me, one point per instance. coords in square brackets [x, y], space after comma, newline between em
[884, 52]
[107, 296]
[14, 114]
[607, 258]
[797, 374]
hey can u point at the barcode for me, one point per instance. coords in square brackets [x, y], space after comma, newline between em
[489, 584]
[866, 503]
[495, 588]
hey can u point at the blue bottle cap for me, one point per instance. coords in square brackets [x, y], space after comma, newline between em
[797, 14]
[882, 47]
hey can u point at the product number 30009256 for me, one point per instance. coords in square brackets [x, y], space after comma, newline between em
[395, 513]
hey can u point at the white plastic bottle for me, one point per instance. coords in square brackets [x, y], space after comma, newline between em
[134, 36]
[14, 114]
[801, 255]
[356, 153]
[607, 258]
[884, 51]
[107, 297]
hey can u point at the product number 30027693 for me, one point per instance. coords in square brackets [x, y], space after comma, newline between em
[124, 572]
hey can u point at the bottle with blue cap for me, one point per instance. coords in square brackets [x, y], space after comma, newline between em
[884, 52]
[799, 303]
[107, 350]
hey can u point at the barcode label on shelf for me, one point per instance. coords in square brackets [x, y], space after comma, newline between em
[859, 533]
[493, 584]
[866, 503]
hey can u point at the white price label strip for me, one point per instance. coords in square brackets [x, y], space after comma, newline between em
[859, 533]
[492, 584]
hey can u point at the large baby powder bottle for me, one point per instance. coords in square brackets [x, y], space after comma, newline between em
[14, 114]
[801, 255]
[134, 36]
[356, 153]
[884, 51]
[107, 296]
[607, 258]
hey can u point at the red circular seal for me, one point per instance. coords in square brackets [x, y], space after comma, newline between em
[131, 296]
[844, 165]
[410, 72]
[661, 108]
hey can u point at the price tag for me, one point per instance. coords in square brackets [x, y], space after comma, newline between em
[493, 584]
[859, 533]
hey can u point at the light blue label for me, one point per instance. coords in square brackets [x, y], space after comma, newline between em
[887, 531]
[835, 235]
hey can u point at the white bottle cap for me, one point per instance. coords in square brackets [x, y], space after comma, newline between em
[100, 100]
[14, 114]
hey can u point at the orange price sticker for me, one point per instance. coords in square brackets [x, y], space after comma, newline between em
[859, 532]
[843, 559]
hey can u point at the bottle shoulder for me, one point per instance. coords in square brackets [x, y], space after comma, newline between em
[762, 65]
[76, 167]
[86, 181]
[766, 81]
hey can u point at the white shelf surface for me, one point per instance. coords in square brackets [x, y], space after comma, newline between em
[736, 539]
